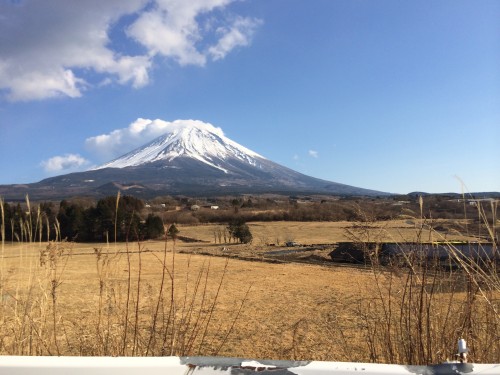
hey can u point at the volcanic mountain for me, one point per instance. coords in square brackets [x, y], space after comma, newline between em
[192, 158]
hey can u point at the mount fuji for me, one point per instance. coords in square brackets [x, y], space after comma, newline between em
[191, 158]
[189, 140]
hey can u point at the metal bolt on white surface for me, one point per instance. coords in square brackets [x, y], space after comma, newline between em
[462, 351]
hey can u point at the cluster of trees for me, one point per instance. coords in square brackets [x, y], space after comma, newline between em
[239, 230]
[26, 224]
[235, 231]
[110, 219]
[327, 209]
[289, 210]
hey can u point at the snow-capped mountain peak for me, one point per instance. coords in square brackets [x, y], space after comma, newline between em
[191, 139]
[189, 158]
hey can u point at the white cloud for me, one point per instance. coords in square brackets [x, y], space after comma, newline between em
[64, 163]
[172, 29]
[61, 48]
[44, 84]
[49, 46]
[141, 131]
[313, 153]
[238, 34]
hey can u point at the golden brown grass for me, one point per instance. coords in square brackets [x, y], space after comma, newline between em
[88, 301]
[63, 298]
[292, 311]
[328, 232]
[278, 302]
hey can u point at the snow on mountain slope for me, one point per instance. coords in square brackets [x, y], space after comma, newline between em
[191, 158]
[199, 141]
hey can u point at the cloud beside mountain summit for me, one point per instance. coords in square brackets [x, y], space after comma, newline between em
[141, 131]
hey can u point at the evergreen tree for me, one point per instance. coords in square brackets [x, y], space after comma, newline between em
[71, 220]
[13, 217]
[153, 227]
[239, 230]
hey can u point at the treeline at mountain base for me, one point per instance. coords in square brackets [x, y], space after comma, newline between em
[126, 218]
[110, 219]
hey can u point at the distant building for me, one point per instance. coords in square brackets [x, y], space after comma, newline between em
[443, 254]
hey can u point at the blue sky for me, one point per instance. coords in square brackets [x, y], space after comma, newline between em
[397, 96]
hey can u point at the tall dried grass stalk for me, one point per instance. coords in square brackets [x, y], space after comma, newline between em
[420, 306]
[130, 317]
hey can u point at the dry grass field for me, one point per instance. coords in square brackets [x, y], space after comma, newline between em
[157, 298]
[330, 232]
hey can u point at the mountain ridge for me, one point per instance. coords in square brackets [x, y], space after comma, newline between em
[194, 159]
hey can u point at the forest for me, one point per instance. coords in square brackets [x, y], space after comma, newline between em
[110, 219]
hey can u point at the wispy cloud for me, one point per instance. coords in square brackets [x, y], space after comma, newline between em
[313, 153]
[62, 48]
[238, 34]
[139, 132]
[64, 163]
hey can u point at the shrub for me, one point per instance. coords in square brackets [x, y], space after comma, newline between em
[240, 231]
